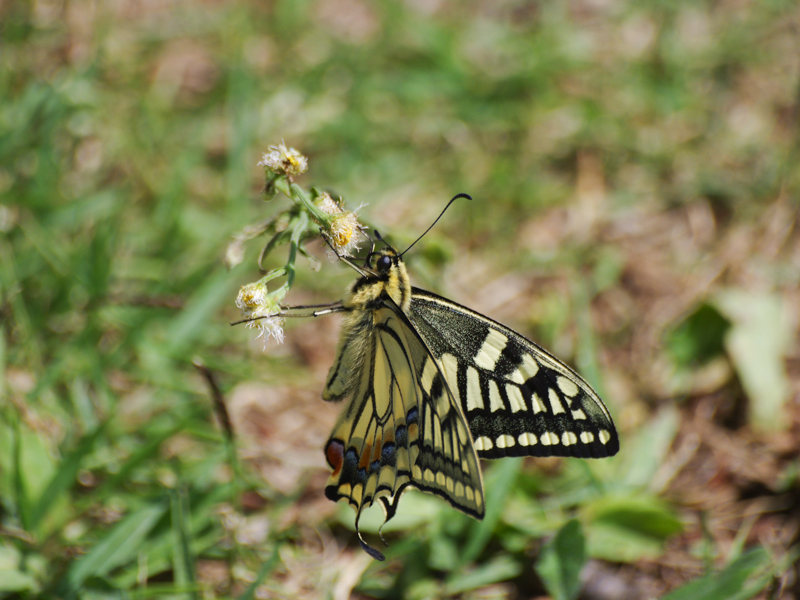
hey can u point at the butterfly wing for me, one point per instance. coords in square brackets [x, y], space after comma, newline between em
[519, 400]
[401, 427]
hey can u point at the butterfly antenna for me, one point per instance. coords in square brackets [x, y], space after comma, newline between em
[453, 199]
[372, 252]
[371, 241]
[341, 257]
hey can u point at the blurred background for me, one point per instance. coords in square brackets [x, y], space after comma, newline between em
[635, 182]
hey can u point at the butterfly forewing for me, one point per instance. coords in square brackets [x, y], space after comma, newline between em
[518, 399]
[401, 427]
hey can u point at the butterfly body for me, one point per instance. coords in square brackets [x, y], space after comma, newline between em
[431, 386]
[367, 294]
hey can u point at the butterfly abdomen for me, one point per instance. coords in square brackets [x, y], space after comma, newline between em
[350, 355]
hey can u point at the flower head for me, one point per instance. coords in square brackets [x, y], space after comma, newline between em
[327, 204]
[262, 310]
[283, 160]
[343, 233]
[341, 227]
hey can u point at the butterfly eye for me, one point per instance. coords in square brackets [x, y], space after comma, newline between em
[383, 264]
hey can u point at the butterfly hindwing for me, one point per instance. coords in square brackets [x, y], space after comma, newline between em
[518, 399]
[401, 426]
[447, 464]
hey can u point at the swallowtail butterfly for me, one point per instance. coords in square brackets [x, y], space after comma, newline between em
[431, 386]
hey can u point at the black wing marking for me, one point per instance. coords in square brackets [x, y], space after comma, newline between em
[519, 400]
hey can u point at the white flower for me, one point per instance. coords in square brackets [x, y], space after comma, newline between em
[343, 233]
[342, 227]
[251, 297]
[327, 204]
[261, 310]
[284, 160]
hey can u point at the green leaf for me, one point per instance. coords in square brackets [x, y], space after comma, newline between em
[413, 512]
[626, 529]
[187, 326]
[266, 569]
[21, 503]
[757, 344]
[16, 581]
[34, 467]
[561, 562]
[699, 337]
[500, 568]
[203, 534]
[119, 546]
[648, 450]
[182, 559]
[499, 484]
[586, 351]
[12, 579]
[740, 580]
[64, 477]
[146, 451]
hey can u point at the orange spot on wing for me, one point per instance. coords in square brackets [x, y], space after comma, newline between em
[334, 453]
[376, 450]
[366, 454]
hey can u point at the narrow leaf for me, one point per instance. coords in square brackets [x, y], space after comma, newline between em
[64, 477]
[185, 328]
[182, 559]
[629, 528]
[650, 447]
[266, 569]
[500, 568]
[119, 546]
[738, 581]
[500, 483]
[140, 456]
[561, 562]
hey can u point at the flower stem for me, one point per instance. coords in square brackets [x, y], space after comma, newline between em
[274, 274]
[300, 226]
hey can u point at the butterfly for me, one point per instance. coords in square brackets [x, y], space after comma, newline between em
[430, 386]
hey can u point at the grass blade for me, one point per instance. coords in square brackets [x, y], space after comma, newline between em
[64, 476]
[183, 566]
[502, 480]
[731, 582]
[119, 546]
[266, 569]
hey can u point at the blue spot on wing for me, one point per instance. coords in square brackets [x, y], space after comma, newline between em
[388, 454]
[401, 435]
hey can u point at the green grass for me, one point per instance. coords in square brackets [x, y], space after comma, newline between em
[633, 169]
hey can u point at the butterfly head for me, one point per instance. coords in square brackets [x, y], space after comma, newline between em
[384, 277]
[385, 262]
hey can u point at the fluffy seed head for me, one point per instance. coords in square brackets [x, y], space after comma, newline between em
[262, 310]
[283, 160]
